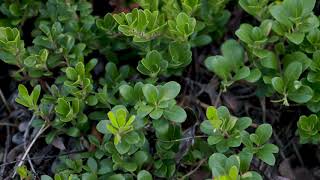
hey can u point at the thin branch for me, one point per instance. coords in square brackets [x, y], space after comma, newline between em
[7, 145]
[182, 139]
[218, 98]
[41, 130]
[4, 101]
[297, 153]
[194, 170]
[8, 124]
[41, 157]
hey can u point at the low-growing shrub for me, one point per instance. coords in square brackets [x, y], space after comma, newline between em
[134, 106]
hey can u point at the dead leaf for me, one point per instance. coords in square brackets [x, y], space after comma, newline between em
[58, 143]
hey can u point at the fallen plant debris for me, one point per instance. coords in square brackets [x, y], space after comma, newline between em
[159, 89]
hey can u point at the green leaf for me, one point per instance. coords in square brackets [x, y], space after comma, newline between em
[98, 115]
[121, 117]
[144, 175]
[245, 160]
[127, 92]
[292, 72]
[122, 147]
[212, 140]
[216, 163]
[266, 154]
[233, 52]
[175, 114]
[218, 65]
[151, 93]
[144, 110]
[296, 37]
[301, 95]
[244, 32]
[113, 119]
[30, 61]
[212, 113]
[92, 100]
[102, 126]
[92, 164]
[132, 137]
[243, 123]
[35, 94]
[254, 76]
[50, 137]
[201, 40]
[251, 175]
[156, 113]
[169, 91]
[129, 166]
[279, 13]
[63, 107]
[46, 177]
[24, 97]
[264, 133]
[278, 84]
[141, 157]
[73, 132]
[71, 74]
[105, 166]
[243, 73]
[89, 176]
[308, 6]
[116, 177]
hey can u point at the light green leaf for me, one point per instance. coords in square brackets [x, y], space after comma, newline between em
[144, 175]
[151, 93]
[175, 114]
[264, 133]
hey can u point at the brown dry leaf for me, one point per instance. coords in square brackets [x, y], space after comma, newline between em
[58, 143]
[285, 169]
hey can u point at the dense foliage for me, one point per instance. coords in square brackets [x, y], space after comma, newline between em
[133, 103]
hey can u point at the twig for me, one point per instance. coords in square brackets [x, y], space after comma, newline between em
[25, 136]
[4, 101]
[182, 139]
[202, 104]
[277, 139]
[263, 107]
[41, 130]
[41, 157]
[195, 169]
[8, 124]
[218, 98]
[297, 153]
[7, 145]
[31, 165]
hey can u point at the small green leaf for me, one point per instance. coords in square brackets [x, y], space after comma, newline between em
[243, 73]
[278, 84]
[296, 37]
[292, 72]
[45, 177]
[301, 95]
[266, 154]
[126, 92]
[144, 175]
[175, 114]
[151, 93]
[264, 133]
[169, 91]
[102, 126]
[113, 119]
[92, 164]
[212, 113]
[73, 132]
[71, 73]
